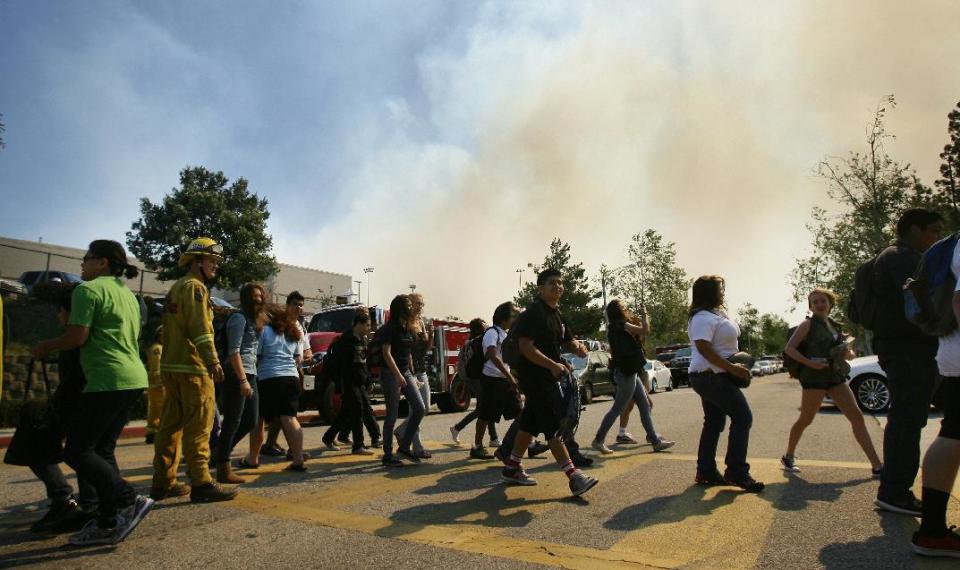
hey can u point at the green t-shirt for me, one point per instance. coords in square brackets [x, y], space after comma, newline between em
[111, 357]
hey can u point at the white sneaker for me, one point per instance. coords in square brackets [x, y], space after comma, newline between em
[455, 434]
[362, 451]
[495, 442]
[330, 447]
[601, 447]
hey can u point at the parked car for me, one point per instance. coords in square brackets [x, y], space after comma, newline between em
[593, 373]
[14, 287]
[659, 375]
[869, 385]
[679, 367]
[32, 279]
[758, 370]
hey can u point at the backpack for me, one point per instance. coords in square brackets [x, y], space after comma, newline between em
[793, 367]
[375, 348]
[863, 304]
[928, 297]
[510, 349]
[331, 367]
[473, 365]
[220, 318]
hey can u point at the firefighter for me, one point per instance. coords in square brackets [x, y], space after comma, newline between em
[155, 393]
[189, 366]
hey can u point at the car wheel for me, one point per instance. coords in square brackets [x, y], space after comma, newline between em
[670, 385]
[457, 399]
[586, 393]
[653, 386]
[871, 392]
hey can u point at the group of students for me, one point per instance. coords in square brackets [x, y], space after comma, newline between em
[257, 379]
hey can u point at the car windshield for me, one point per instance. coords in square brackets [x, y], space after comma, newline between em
[682, 353]
[577, 362]
[332, 321]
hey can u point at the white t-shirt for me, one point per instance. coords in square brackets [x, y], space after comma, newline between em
[719, 330]
[304, 340]
[493, 337]
[948, 353]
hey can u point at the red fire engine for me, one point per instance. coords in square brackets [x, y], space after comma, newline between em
[449, 391]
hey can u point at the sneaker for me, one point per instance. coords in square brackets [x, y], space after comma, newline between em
[423, 454]
[132, 515]
[626, 438]
[789, 464]
[516, 476]
[601, 447]
[362, 451]
[409, 456]
[748, 484]
[709, 479]
[58, 514]
[580, 483]
[455, 434]
[500, 456]
[92, 534]
[908, 505]
[212, 493]
[876, 473]
[345, 440]
[390, 461]
[329, 447]
[580, 460]
[494, 442]
[662, 445]
[536, 448]
[480, 452]
[947, 545]
[376, 442]
[272, 451]
[178, 490]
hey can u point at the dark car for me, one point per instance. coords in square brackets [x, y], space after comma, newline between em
[679, 367]
[593, 373]
[32, 279]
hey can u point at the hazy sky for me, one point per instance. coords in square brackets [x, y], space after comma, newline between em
[445, 143]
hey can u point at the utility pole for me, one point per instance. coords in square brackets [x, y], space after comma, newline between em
[368, 271]
[413, 288]
[359, 283]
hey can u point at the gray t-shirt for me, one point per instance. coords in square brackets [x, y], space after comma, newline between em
[242, 339]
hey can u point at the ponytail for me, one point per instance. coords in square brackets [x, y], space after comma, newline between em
[116, 257]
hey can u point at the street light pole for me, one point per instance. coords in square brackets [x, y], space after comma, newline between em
[368, 271]
[413, 288]
[359, 283]
[520, 278]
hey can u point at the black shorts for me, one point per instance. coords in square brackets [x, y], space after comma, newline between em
[279, 397]
[947, 399]
[538, 415]
[819, 385]
[496, 394]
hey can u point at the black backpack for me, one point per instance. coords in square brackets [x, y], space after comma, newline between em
[375, 348]
[863, 304]
[220, 318]
[793, 367]
[928, 297]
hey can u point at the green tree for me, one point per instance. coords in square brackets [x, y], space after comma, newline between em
[773, 333]
[947, 190]
[871, 190]
[579, 297]
[206, 204]
[655, 281]
[748, 317]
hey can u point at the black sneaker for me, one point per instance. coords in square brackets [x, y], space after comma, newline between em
[536, 448]
[748, 484]
[409, 456]
[376, 442]
[709, 479]
[947, 544]
[345, 440]
[480, 452]
[907, 505]
[580, 460]
[272, 451]
[57, 516]
[390, 461]
[498, 453]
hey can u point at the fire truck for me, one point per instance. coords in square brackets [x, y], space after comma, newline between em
[449, 391]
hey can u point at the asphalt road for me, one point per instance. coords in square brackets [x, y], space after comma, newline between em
[347, 512]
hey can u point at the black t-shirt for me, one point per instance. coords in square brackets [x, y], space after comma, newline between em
[623, 345]
[350, 358]
[893, 333]
[400, 340]
[548, 330]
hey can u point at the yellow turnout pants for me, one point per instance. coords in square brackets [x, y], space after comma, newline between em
[186, 421]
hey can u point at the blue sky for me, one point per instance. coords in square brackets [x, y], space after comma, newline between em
[446, 143]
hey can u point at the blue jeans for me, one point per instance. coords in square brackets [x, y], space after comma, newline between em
[628, 387]
[423, 386]
[720, 398]
[239, 414]
[910, 379]
[391, 394]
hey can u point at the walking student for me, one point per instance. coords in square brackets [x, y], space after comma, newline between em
[498, 386]
[239, 396]
[908, 358]
[189, 366]
[105, 325]
[477, 327]
[823, 345]
[68, 512]
[625, 333]
[940, 465]
[422, 341]
[280, 382]
[542, 336]
[295, 303]
[348, 358]
[713, 338]
[396, 378]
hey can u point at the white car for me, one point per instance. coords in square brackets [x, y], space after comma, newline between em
[869, 385]
[659, 377]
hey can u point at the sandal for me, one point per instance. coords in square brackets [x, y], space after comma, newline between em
[296, 468]
[243, 464]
